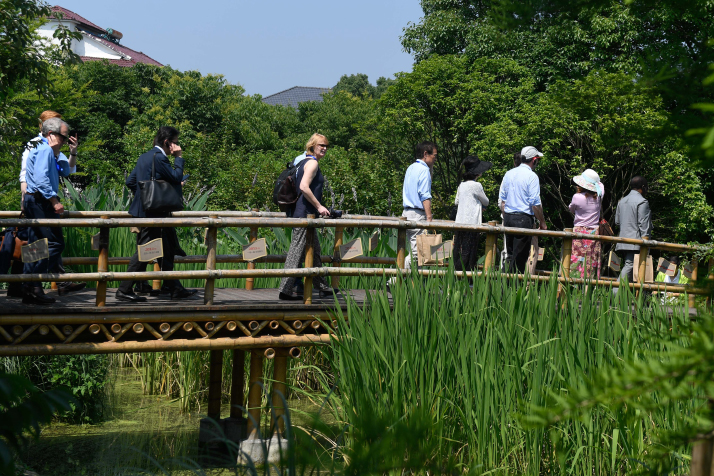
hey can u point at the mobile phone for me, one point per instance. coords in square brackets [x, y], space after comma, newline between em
[185, 177]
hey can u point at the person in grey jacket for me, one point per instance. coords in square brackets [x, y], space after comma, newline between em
[634, 219]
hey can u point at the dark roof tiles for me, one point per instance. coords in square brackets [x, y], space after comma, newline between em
[294, 96]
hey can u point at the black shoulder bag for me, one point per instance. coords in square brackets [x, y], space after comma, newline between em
[159, 195]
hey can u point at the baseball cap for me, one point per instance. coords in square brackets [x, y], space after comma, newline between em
[530, 152]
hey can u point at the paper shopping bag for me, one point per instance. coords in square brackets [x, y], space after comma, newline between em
[424, 244]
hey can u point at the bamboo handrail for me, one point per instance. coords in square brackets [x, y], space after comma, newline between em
[383, 222]
[201, 259]
[220, 343]
[312, 272]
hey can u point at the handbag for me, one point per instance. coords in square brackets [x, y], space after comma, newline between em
[454, 211]
[604, 229]
[159, 195]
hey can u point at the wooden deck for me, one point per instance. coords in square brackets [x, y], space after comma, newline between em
[237, 319]
[224, 299]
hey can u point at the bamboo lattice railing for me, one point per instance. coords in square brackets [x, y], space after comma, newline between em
[254, 220]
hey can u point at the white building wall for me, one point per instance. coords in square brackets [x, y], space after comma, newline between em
[85, 47]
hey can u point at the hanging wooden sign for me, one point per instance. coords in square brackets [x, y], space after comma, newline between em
[255, 250]
[541, 253]
[351, 250]
[36, 251]
[151, 250]
[688, 270]
[615, 263]
[374, 240]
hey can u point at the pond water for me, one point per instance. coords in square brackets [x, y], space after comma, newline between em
[142, 434]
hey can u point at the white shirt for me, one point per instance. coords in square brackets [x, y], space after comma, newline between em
[26, 153]
[471, 199]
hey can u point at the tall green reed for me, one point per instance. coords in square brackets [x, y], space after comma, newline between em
[473, 357]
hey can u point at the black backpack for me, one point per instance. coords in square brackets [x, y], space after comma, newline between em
[286, 191]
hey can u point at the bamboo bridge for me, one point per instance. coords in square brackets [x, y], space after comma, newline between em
[244, 320]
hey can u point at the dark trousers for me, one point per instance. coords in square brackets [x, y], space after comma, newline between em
[35, 208]
[517, 246]
[466, 250]
[168, 240]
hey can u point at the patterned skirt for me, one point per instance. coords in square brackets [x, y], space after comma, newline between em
[465, 254]
[585, 257]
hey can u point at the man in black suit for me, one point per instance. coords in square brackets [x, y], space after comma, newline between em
[165, 144]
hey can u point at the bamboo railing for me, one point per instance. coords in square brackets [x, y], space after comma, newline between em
[105, 221]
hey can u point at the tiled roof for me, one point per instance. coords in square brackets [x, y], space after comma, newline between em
[136, 56]
[295, 95]
[70, 15]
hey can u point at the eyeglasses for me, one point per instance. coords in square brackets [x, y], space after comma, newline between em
[323, 145]
[64, 137]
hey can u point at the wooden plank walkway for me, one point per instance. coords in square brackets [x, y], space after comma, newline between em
[224, 299]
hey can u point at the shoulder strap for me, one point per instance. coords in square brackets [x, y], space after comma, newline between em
[153, 166]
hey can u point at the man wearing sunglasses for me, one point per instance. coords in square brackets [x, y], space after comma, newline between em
[45, 166]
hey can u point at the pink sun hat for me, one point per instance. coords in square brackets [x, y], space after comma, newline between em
[590, 180]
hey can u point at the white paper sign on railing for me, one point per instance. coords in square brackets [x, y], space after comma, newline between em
[351, 250]
[36, 251]
[95, 241]
[615, 263]
[664, 266]
[151, 250]
[374, 241]
[255, 250]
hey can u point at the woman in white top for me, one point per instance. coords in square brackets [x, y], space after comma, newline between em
[470, 199]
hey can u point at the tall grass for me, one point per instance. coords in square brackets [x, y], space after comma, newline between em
[474, 357]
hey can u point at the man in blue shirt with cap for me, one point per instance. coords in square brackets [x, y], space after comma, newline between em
[416, 193]
[45, 166]
[520, 204]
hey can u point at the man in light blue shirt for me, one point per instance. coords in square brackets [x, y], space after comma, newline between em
[520, 203]
[416, 193]
[44, 168]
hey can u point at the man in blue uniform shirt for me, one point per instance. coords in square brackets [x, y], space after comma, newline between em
[520, 203]
[416, 193]
[45, 166]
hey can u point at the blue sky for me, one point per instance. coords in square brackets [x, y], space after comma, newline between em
[266, 46]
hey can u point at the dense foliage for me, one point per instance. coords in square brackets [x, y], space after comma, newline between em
[237, 145]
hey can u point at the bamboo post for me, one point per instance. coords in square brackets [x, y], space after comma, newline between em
[211, 245]
[237, 383]
[335, 279]
[401, 245]
[490, 248]
[255, 389]
[702, 456]
[103, 264]
[710, 281]
[309, 259]
[642, 264]
[214, 384]
[252, 236]
[693, 281]
[156, 283]
[280, 372]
